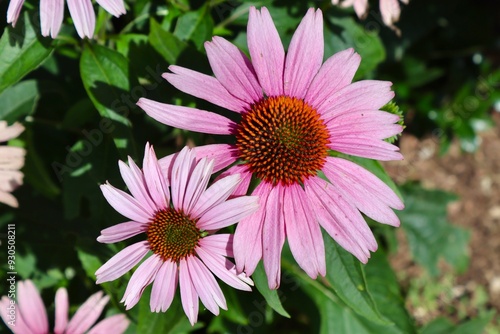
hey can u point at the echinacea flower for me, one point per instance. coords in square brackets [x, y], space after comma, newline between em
[52, 14]
[28, 315]
[11, 160]
[179, 216]
[293, 110]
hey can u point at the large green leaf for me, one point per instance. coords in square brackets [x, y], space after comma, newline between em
[22, 50]
[429, 234]
[105, 78]
[166, 43]
[196, 26]
[271, 296]
[19, 100]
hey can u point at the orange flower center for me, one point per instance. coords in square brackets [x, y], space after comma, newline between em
[172, 235]
[282, 139]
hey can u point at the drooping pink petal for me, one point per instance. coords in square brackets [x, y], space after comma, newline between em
[183, 166]
[136, 184]
[155, 179]
[62, 308]
[361, 95]
[51, 17]
[14, 10]
[122, 262]
[303, 232]
[163, 291]
[87, 314]
[189, 297]
[32, 308]
[114, 7]
[228, 213]
[336, 73]
[233, 70]
[9, 132]
[222, 154]
[366, 147]
[305, 55]
[125, 204]
[141, 278]
[205, 285]
[116, 324]
[20, 325]
[187, 118]
[121, 232]
[373, 130]
[361, 8]
[273, 236]
[360, 187]
[83, 15]
[204, 87]
[248, 236]
[221, 244]
[245, 175]
[390, 11]
[197, 185]
[266, 51]
[8, 199]
[222, 268]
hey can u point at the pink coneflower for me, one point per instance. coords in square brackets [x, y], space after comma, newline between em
[52, 13]
[293, 110]
[179, 216]
[11, 160]
[29, 316]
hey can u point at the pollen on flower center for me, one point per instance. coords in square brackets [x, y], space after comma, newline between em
[172, 235]
[282, 139]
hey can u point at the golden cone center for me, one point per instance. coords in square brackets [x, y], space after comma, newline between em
[172, 235]
[282, 139]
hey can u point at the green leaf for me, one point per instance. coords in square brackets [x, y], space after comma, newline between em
[346, 276]
[429, 234]
[90, 262]
[105, 78]
[22, 51]
[196, 26]
[271, 296]
[19, 100]
[166, 43]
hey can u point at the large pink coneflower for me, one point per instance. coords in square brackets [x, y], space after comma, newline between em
[179, 216]
[292, 111]
[52, 14]
[11, 160]
[28, 315]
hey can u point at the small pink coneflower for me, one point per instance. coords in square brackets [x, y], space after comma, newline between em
[52, 14]
[179, 216]
[28, 315]
[11, 160]
[293, 110]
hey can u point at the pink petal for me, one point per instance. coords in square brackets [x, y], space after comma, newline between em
[116, 324]
[273, 236]
[125, 204]
[198, 182]
[183, 166]
[361, 117]
[233, 70]
[121, 232]
[10, 132]
[220, 244]
[114, 7]
[83, 16]
[222, 268]
[361, 8]
[246, 178]
[336, 73]
[367, 192]
[248, 236]
[164, 286]
[51, 16]
[13, 11]
[155, 179]
[303, 232]
[366, 147]
[62, 308]
[206, 286]
[305, 54]
[187, 118]
[340, 219]
[140, 279]
[266, 51]
[222, 154]
[87, 314]
[228, 213]
[134, 180]
[8, 199]
[215, 195]
[373, 130]
[189, 297]
[20, 325]
[204, 87]
[32, 308]
[122, 262]
[390, 11]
